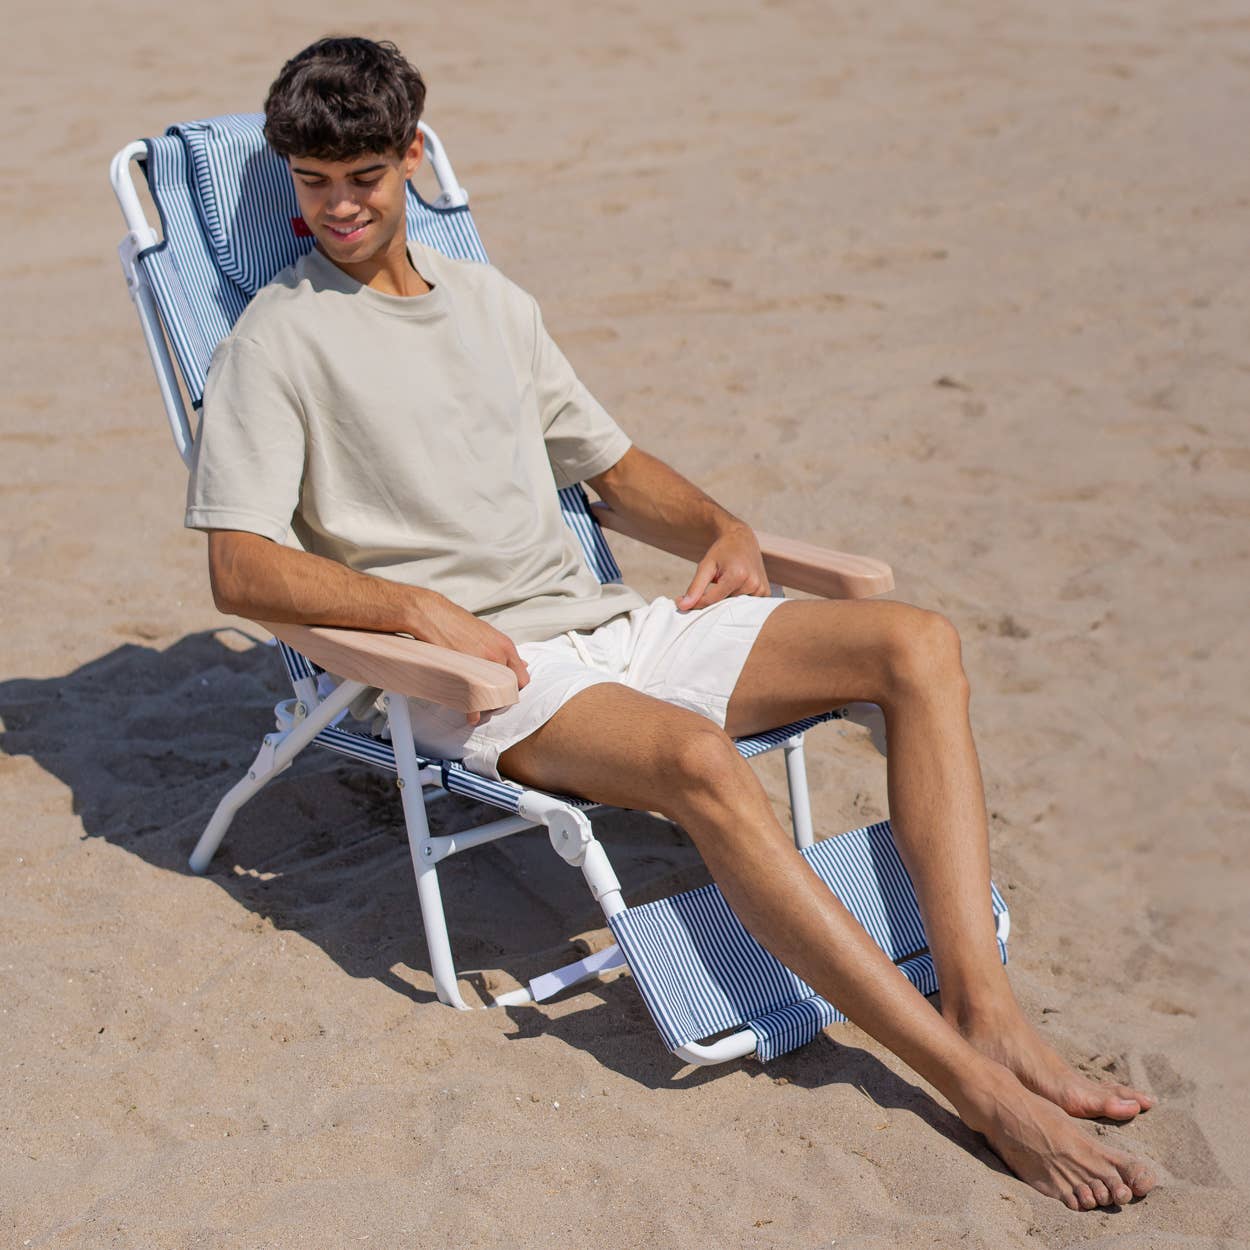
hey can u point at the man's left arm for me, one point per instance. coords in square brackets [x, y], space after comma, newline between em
[581, 437]
[664, 505]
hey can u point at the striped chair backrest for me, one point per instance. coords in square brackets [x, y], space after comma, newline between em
[230, 222]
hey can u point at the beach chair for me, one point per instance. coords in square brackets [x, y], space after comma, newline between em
[229, 221]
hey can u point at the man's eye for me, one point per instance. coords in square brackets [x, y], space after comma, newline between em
[367, 182]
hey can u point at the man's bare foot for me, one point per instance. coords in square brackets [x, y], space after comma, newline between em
[1008, 1038]
[1046, 1150]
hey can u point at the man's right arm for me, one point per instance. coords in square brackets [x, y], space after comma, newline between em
[254, 577]
[249, 461]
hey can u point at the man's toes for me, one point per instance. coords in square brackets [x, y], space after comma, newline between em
[1085, 1198]
[1129, 1094]
[1071, 1201]
[1091, 1101]
[1120, 1107]
[1102, 1195]
[1138, 1176]
[1122, 1194]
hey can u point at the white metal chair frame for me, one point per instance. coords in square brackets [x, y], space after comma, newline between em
[313, 711]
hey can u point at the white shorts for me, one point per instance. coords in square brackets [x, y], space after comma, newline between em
[691, 659]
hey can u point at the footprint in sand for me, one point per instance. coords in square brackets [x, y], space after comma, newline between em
[1189, 1155]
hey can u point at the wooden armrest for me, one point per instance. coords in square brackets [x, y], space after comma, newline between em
[819, 571]
[405, 665]
[788, 562]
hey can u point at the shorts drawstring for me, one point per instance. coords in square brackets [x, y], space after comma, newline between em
[583, 652]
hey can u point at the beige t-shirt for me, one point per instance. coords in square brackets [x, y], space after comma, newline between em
[420, 439]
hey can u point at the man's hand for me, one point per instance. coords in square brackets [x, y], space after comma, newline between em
[446, 624]
[733, 566]
[671, 513]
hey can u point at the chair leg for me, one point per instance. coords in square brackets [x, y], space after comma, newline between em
[424, 864]
[437, 940]
[223, 815]
[275, 754]
[800, 800]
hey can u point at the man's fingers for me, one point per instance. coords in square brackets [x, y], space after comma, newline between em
[518, 666]
[730, 582]
[511, 658]
[695, 592]
[713, 594]
[737, 582]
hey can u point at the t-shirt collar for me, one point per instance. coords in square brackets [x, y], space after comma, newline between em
[324, 274]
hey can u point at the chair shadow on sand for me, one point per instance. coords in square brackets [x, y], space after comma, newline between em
[148, 740]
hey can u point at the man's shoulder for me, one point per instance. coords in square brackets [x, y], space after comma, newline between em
[282, 299]
[473, 277]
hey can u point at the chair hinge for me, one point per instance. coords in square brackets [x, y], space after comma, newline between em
[265, 762]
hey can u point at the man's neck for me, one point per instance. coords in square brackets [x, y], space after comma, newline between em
[391, 272]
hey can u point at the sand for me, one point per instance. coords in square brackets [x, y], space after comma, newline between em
[963, 286]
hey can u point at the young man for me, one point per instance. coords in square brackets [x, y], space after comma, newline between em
[406, 414]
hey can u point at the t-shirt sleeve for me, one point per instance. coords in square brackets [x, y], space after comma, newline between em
[249, 455]
[581, 438]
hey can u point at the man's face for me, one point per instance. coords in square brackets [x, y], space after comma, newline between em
[355, 208]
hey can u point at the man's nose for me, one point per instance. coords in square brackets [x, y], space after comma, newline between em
[342, 203]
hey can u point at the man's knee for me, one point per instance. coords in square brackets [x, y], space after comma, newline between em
[922, 654]
[699, 759]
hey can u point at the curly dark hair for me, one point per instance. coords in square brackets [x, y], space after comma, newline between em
[343, 97]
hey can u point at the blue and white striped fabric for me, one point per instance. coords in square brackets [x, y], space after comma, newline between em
[757, 744]
[197, 304]
[796, 1024]
[701, 973]
[575, 508]
[297, 666]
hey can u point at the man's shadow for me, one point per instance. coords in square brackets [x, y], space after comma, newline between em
[147, 742]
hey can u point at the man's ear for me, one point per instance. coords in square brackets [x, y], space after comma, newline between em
[414, 156]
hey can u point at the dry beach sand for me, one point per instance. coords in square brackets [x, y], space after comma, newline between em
[962, 285]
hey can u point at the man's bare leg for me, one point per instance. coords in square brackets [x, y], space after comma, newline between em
[811, 655]
[662, 758]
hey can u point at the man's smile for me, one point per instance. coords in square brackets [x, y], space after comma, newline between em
[348, 232]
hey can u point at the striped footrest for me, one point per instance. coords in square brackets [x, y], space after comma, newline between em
[700, 972]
